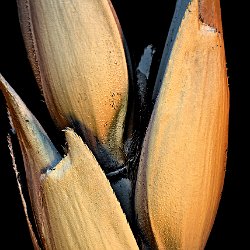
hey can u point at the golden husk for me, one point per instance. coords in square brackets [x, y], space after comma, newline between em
[183, 158]
[76, 49]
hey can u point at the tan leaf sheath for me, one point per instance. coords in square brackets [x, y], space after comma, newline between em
[77, 54]
[183, 159]
[39, 153]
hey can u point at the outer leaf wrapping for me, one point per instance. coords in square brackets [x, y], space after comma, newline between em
[182, 165]
[77, 54]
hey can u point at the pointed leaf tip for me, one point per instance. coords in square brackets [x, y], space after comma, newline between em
[81, 204]
[39, 153]
[34, 141]
[210, 13]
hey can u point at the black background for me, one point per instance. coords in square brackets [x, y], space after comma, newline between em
[143, 23]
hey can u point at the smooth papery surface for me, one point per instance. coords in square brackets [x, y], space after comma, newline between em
[77, 54]
[182, 164]
[81, 207]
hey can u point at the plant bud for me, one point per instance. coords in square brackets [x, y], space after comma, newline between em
[73, 203]
[77, 54]
[182, 164]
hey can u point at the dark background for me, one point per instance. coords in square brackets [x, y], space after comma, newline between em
[143, 23]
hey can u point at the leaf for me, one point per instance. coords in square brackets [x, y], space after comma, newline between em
[73, 203]
[81, 206]
[76, 49]
[39, 153]
[183, 159]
